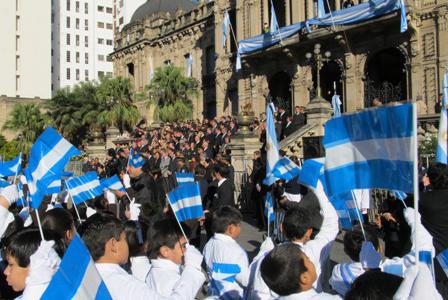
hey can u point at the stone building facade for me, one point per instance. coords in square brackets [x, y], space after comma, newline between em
[371, 59]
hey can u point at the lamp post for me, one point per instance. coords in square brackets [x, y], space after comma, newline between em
[319, 59]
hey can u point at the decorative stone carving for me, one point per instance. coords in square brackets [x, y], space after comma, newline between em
[430, 86]
[428, 44]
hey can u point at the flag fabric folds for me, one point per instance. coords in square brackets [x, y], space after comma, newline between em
[312, 171]
[4, 183]
[271, 144]
[84, 187]
[77, 276]
[400, 195]
[184, 178]
[274, 28]
[336, 104]
[186, 202]
[113, 183]
[285, 169]
[320, 8]
[48, 157]
[445, 91]
[269, 208]
[189, 72]
[442, 258]
[442, 139]
[12, 167]
[54, 187]
[360, 146]
[136, 160]
[225, 28]
[403, 20]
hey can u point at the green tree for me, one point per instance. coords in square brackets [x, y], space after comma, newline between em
[171, 91]
[28, 122]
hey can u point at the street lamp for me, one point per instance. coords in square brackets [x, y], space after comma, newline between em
[319, 60]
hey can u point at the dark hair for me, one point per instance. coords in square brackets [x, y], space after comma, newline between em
[296, 222]
[438, 176]
[22, 244]
[282, 267]
[225, 216]
[98, 230]
[135, 237]
[353, 241]
[59, 220]
[13, 227]
[374, 285]
[163, 233]
[200, 170]
[222, 169]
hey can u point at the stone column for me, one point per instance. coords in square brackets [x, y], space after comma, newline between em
[301, 83]
[309, 9]
[318, 112]
[298, 11]
[337, 4]
[265, 11]
[288, 12]
[351, 86]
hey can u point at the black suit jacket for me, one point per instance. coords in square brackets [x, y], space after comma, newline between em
[299, 120]
[223, 196]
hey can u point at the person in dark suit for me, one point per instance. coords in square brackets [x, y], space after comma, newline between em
[433, 207]
[299, 118]
[256, 178]
[289, 127]
[282, 119]
[224, 193]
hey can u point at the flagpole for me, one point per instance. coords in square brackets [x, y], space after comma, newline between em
[233, 34]
[359, 216]
[416, 191]
[181, 229]
[17, 171]
[39, 224]
[74, 204]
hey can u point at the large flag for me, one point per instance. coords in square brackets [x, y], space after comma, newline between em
[403, 20]
[312, 172]
[84, 187]
[442, 140]
[54, 187]
[320, 9]
[274, 29]
[336, 104]
[184, 178]
[113, 183]
[225, 28]
[12, 167]
[223, 278]
[48, 157]
[186, 202]
[370, 149]
[4, 183]
[285, 169]
[77, 276]
[271, 144]
[269, 208]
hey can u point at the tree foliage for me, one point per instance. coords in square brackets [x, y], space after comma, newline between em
[28, 122]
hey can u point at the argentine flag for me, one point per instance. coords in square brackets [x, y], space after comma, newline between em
[113, 183]
[223, 281]
[225, 28]
[442, 258]
[312, 173]
[184, 178]
[77, 276]
[274, 28]
[286, 169]
[48, 157]
[271, 145]
[269, 208]
[84, 187]
[370, 149]
[442, 139]
[12, 167]
[186, 202]
[54, 187]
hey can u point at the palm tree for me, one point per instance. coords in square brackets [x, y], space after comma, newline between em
[28, 122]
[171, 91]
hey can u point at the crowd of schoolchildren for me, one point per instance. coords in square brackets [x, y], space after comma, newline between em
[141, 252]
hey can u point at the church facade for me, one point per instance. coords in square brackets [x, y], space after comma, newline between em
[368, 60]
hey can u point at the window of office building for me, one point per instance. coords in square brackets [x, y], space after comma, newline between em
[68, 73]
[109, 26]
[86, 8]
[68, 56]
[86, 58]
[77, 6]
[121, 21]
[77, 23]
[108, 58]
[101, 57]
[86, 41]
[109, 10]
[101, 41]
[86, 75]
[77, 57]
[68, 22]
[68, 5]
[77, 74]
[77, 40]
[100, 25]
[68, 39]
[100, 8]
[109, 42]
[100, 74]
[109, 74]
[86, 24]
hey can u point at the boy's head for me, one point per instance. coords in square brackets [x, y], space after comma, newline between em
[374, 285]
[353, 241]
[297, 225]
[105, 238]
[20, 246]
[167, 241]
[287, 270]
[61, 221]
[227, 220]
[136, 238]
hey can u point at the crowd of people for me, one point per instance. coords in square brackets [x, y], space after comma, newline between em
[142, 252]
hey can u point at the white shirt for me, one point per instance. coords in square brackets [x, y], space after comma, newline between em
[343, 276]
[223, 249]
[163, 276]
[140, 267]
[311, 294]
[221, 181]
[121, 285]
[33, 292]
[317, 250]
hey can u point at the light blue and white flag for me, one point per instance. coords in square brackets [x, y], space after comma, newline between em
[442, 139]
[442, 257]
[336, 104]
[54, 187]
[4, 183]
[12, 167]
[84, 187]
[320, 9]
[269, 208]
[370, 149]
[271, 145]
[403, 20]
[48, 157]
[151, 69]
[184, 178]
[225, 28]
[186, 202]
[77, 276]
[345, 219]
[225, 272]
[400, 195]
[312, 172]
[189, 65]
[274, 28]
[112, 183]
[286, 169]
[445, 91]
[223, 281]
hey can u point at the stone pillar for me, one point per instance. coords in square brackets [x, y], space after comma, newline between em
[97, 148]
[288, 12]
[309, 9]
[351, 84]
[318, 112]
[337, 4]
[265, 11]
[298, 11]
[300, 85]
